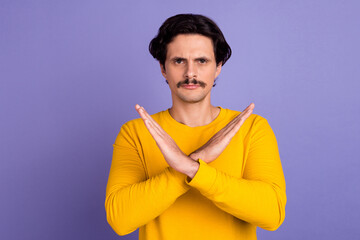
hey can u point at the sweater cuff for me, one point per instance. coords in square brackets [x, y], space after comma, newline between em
[204, 178]
[179, 178]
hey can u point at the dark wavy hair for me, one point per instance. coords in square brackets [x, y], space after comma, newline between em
[189, 24]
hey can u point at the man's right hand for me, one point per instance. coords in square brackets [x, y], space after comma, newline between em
[217, 143]
[173, 155]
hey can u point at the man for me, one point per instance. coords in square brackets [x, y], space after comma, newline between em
[194, 171]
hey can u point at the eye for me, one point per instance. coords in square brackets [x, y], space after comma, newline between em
[202, 60]
[178, 60]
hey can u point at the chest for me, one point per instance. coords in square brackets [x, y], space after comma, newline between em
[231, 161]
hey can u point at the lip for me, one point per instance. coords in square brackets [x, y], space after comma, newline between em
[190, 86]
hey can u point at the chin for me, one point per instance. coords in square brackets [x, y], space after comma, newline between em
[194, 99]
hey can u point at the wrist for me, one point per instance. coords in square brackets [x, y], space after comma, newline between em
[191, 168]
[195, 156]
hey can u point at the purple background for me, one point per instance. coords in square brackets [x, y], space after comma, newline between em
[72, 71]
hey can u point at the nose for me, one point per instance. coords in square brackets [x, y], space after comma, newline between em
[190, 71]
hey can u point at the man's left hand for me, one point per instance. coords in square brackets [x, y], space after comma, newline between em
[217, 143]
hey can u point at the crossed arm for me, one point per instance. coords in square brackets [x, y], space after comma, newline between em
[258, 198]
[208, 152]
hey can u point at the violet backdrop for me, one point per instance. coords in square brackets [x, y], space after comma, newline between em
[71, 73]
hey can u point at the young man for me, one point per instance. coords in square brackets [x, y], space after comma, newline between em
[194, 171]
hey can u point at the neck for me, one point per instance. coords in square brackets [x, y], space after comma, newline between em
[194, 114]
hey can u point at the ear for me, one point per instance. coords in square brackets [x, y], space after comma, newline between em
[163, 72]
[218, 69]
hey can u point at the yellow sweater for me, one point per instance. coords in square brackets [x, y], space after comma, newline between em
[227, 198]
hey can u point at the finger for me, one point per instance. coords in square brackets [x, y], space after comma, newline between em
[141, 113]
[251, 106]
[156, 128]
[138, 108]
[239, 120]
[154, 123]
[245, 116]
[147, 119]
[146, 114]
[152, 131]
[236, 120]
[246, 110]
[160, 137]
[228, 132]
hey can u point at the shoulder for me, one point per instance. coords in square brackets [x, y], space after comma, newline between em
[254, 124]
[253, 118]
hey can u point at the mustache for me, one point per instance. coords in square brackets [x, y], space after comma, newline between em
[193, 81]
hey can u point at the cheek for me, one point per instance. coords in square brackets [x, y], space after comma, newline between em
[175, 73]
[208, 73]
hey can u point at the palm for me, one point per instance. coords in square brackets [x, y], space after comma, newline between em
[171, 152]
[217, 143]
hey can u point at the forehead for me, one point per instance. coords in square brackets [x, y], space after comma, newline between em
[184, 45]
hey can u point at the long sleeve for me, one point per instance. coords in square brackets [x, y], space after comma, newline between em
[131, 199]
[259, 196]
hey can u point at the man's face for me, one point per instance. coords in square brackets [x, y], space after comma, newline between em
[190, 67]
